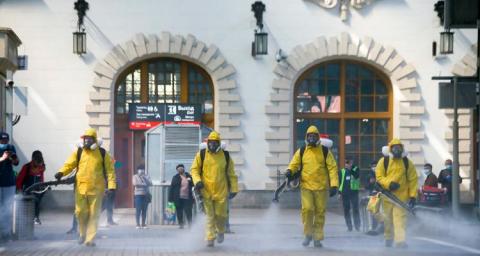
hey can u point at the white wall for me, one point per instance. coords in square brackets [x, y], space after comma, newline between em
[59, 81]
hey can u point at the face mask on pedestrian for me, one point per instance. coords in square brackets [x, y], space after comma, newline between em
[3, 147]
[88, 142]
[213, 145]
[397, 151]
[141, 172]
[448, 166]
[426, 171]
[312, 139]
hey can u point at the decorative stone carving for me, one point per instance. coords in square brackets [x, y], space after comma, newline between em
[345, 5]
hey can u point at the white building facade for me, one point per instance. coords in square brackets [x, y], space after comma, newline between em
[362, 80]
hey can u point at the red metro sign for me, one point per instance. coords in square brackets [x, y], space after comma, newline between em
[143, 116]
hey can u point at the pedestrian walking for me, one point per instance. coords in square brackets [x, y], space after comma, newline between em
[8, 159]
[181, 195]
[141, 182]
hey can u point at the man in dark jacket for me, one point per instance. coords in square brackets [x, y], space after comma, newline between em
[181, 194]
[430, 178]
[445, 178]
[8, 158]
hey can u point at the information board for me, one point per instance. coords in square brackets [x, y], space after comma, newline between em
[143, 116]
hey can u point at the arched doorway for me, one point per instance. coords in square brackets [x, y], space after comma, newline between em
[351, 102]
[159, 80]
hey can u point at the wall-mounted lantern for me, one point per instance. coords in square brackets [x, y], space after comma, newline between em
[260, 43]
[80, 37]
[446, 42]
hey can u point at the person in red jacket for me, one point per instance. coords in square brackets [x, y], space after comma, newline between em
[31, 173]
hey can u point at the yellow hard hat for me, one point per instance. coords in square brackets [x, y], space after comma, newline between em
[394, 141]
[90, 132]
[214, 136]
[312, 129]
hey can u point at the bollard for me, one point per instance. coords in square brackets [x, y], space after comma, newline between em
[23, 214]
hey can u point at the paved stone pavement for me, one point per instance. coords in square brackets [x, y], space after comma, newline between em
[257, 232]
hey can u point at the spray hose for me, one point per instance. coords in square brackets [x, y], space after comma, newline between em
[197, 195]
[41, 187]
[394, 199]
[291, 184]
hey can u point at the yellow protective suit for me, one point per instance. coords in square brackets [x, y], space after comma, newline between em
[90, 186]
[315, 181]
[396, 217]
[215, 191]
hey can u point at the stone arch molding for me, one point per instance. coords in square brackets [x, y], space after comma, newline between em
[302, 57]
[467, 66]
[228, 109]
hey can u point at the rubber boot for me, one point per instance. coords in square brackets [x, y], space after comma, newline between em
[306, 241]
[210, 243]
[388, 243]
[220, 238]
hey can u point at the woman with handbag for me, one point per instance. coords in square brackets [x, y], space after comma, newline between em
[141, 183]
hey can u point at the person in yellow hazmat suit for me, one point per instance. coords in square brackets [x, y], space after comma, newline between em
[319, 178]
[94, 169]
[213, 174]
[397, 173]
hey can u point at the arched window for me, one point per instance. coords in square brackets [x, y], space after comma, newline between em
[166, 80]
[160, 80]
[351, 103]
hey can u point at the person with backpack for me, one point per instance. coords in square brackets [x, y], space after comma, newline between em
[396, 173]
[93, 164]
[31, 173]
[318, 179]
[349, 178]
[213, 174]
[180, 194]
